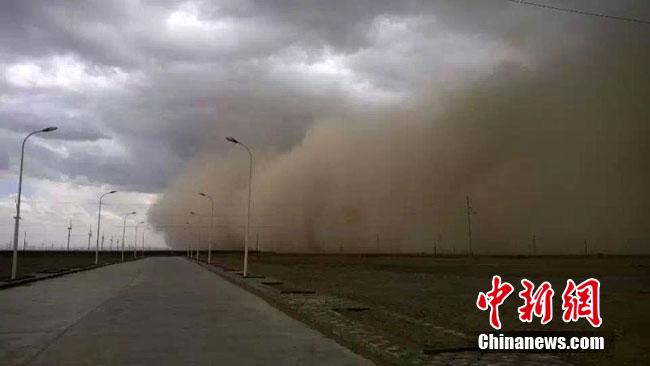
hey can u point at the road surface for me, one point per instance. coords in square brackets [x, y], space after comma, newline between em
[162, 311]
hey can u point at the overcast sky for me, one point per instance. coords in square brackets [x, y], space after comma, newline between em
[136, 87]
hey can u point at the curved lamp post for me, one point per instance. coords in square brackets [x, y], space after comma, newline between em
[211, 226]
[14, 262]
[99, 218]
[248, 212]
[124, 231]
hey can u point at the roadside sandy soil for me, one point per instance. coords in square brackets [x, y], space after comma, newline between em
[30, 262]
[430, 302]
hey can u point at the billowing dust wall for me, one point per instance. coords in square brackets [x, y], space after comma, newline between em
[557, 150]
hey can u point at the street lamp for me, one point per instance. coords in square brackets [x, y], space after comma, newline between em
[99, 217]
[135, 240]
[124, 231]
[248, 212]
[14, 262]
[211, 226]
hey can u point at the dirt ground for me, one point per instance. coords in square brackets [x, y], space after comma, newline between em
[430, 302]
[30, 262]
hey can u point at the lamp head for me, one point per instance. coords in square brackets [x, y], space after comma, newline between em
[49, 129]
[203, 194]
[111, 192]
[232, 139]
[133, 213]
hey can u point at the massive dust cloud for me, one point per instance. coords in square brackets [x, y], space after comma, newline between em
[553, 151]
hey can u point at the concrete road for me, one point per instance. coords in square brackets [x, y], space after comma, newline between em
[157, 311]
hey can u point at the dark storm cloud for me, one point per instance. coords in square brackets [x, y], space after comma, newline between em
[185, 83]
[75, 128]
[137, 88]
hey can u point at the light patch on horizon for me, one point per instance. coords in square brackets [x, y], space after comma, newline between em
[48, 207]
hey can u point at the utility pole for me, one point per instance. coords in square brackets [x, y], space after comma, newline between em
[189, 241]
[534, 248]
[377, 242]
[435, 247]
[90, 235]
[135, 242]
[69, 230]
[24, 243]
[470, 212]
[198, 245]
[185, 235]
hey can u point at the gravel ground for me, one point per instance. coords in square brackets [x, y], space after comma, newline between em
[430, 302]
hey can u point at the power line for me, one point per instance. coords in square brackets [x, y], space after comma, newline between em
[581, 12]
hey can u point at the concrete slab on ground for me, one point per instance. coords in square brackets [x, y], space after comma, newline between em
[164, 311]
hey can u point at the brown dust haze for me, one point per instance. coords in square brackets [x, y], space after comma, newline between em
[558, 150]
